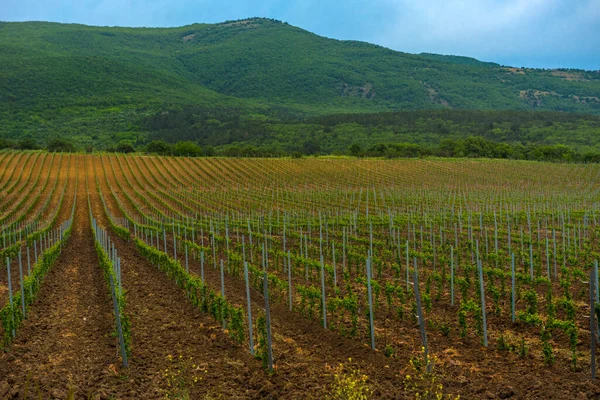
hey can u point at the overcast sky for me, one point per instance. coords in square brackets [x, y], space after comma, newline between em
[532, 33]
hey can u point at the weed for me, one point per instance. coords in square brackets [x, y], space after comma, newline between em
[422, 384]
[349, 384]
[181, 375]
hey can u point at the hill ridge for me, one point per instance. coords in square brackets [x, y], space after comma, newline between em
[99, 84]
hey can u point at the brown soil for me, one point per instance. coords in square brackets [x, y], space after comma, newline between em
[65, 341]
[66, 205]
[305, 352]
[164, 323]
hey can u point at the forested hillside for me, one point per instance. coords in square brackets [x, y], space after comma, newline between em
[263, 82]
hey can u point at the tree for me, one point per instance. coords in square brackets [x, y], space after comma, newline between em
[158, 147]
[60, 145]
[187, 148]
[356, 150]
[6, 144]
[125, 147]
[311, 147]
[209, 151]
[28, 144]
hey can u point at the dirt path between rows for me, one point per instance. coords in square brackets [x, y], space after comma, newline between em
[171, 340]
[304, 352]
[52, 206]
[66, 340]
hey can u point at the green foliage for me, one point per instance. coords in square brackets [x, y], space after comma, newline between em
[547, 349]
[27, 144]
[60, 145]
[228, 86]
[201, 295]
[187, 148]
[159, 147]
[125, 147]
[12, 315]
[349, 383]
[108, 270]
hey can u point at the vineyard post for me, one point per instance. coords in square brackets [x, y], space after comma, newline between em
[477, 252]
[249, 306]
[554, 249]
[547, 260]
[483, 315]
[433, 247]
[531, 261]
[118, 320]
[306, 246]
[187, 268]
[344, 249]
[119, 275]
[22, 286]
[451, 275]
[165, 240]
[202, 235]
[564, 249]
[371, 241]
[509, 239]
[370, 298]
[593, 295]
[243, 249]
[407, 267]
[420, 316]
[250, 239]
[202, 265]
[334, 269]
[264, 255]
[596, 282]
[268, 320]
[320, 236]
[10, 297]
[496, 235]
[227, 242]
[301, 244]
[512, 296]
[174, 247]
[214, 250]
[223, 289]
[456, 234]
[29, 268]
[323, 301]
[290, 279]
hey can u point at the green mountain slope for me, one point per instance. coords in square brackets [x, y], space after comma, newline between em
[100, 85]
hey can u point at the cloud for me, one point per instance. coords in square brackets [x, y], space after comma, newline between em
[496, 30]
[537, 33]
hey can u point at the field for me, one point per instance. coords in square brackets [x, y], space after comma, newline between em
[180, 248]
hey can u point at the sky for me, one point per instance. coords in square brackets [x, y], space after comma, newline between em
[529, 33]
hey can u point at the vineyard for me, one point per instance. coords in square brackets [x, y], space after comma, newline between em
[174, 277]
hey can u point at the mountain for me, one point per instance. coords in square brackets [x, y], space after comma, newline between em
[100, 85]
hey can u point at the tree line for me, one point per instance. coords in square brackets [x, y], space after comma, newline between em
[470, 147]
